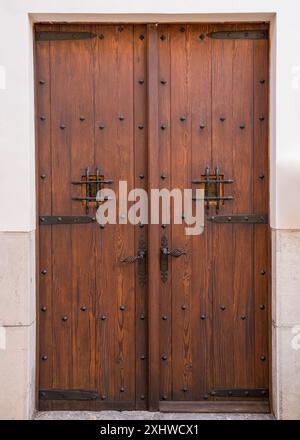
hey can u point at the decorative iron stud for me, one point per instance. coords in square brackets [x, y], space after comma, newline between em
[141, 81]
[182, 118]
[242, 126]
[164, 317]
[121, 118]
[203, 317]
[262, 307]
[142, 316]
[42, 81]
[62, 126]
[164, 226]
[222, 307]
[164, 397]
[141, 126]
[163, 81]
[163, 177]
[122, 308]
[263, 272]
[201, 36]
[163, 126]
[103, 317]
[44, 272]
[263, 358]
[101, 126]
[83, 308]
[44, 309]
[205, 397]
[141, 176]
[261, 176]
[164, 357]
[142, 37]
[43, 176]
[184, 389]
[64, 318]
[44, 357]
[243, 317]
[262, 81]
[82, 118]
[184, 306]
[102, 226]
[42, 118]
[163, 37]
[142, 397]
[122, 389]
[103, 397]
[142, 357]
[222, 118]
[202, 126]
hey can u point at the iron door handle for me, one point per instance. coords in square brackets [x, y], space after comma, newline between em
[141, 259]
[133, 258]
[173, 253]
[164, 254]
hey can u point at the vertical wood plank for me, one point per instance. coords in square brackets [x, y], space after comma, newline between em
[141, 181]
[154, 232]
[164, 110]
[201, 300]
[180, 268]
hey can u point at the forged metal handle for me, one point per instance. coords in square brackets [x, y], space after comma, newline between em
[173, 253]
[133, 258]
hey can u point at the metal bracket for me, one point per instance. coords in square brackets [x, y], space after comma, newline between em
[141, 259]
[164, 254]
[240, 392]
[57, 35]
[68, 395]
[239, 218]
[259, 34]
[65, 219]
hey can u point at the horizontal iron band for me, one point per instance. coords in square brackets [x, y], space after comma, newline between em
[93, 199]
[213, 181]
[252, 392]
[82, 182]
[68, 395]
[65, 219]
[213, 198]
[258, 34]
[57, 35]
[239, 218]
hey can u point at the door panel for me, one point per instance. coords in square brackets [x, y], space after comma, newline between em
[214, 342]
[171, 102]
[90, 109]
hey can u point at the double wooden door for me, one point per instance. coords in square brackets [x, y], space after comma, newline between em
[159, 106]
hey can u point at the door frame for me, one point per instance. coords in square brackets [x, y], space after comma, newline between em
[154, 231]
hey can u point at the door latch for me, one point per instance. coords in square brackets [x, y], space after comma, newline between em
[164, 254]
[141, 259]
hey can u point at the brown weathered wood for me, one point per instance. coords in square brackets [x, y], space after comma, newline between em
[93, 110]
[154, 232]
[236, 406]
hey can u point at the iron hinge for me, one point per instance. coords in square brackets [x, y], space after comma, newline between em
[239, 218]
[65, 219]
[240, 392]
[259, 34]
[57, 35]
[68, 395]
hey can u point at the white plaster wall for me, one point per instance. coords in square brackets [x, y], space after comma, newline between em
[17, 161]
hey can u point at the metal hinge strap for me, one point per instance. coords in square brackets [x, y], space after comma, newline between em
[240, 392]
[57, 35]
[65, 219]
[260, 34]
[68, 395]
[239, 218]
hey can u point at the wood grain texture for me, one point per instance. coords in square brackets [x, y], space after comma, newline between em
[102, 103]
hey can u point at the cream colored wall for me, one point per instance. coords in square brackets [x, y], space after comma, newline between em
[17, 209]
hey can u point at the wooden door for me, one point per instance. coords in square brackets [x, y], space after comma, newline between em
[91, 127]
[167, 106]
[213, 305]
